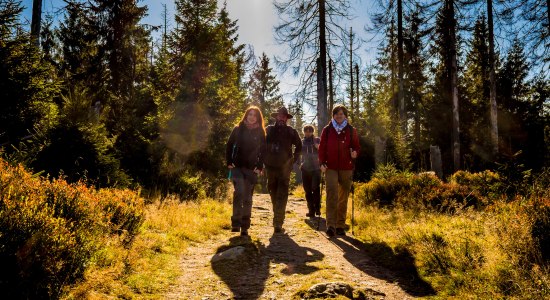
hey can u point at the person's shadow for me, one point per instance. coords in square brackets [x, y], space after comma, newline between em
[283, 249]
[246, 274]
[368, 257]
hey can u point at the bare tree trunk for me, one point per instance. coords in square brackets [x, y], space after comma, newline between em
[36, 21]
[492, 93]
[351, 90]
[395, 104]
[322, 113]
[331, 89]
[454, 88]
[400, 93]
[357, 90]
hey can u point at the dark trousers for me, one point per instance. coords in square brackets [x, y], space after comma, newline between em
[243, 180]
[278, 180]
[311, 180]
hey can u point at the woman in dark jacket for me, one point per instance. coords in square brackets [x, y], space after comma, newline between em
[339, 147]
[244, 155]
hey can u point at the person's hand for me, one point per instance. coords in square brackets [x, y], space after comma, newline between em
[317, 146]
[257, 171]
[231, 166]
[353, 154]
[323, 168]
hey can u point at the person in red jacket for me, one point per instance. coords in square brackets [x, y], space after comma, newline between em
[337, 151]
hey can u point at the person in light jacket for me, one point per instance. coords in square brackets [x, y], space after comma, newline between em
[337, 151]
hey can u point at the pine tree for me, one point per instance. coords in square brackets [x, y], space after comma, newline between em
[475, 109]
[26, 87]
[415, 85]
[263, 87]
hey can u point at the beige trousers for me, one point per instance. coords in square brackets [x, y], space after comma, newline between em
[338, 188]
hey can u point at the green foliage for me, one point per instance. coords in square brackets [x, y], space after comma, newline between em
[26, 85]
[390, 186]
[49, 231]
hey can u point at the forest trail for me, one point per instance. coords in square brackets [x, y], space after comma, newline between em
[276, 266]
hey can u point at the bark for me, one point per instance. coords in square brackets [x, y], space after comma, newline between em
[322, 112]
[400, 93]
[351, 72]
[331, 89]
[492, 81]
[36, 21]
[454, 88]
[357, 90]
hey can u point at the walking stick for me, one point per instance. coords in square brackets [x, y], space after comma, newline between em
[232, 157]
[352, 204]
[320, 199]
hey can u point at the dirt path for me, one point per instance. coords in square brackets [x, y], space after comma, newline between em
[276, 266]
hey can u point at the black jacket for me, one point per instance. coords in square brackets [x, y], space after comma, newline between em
[279, 145]
[246, 147]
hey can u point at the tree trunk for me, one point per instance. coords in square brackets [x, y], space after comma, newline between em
[331, 89]
[357, 90]
[322, 113]
[435, 161]
[395, 103]
[36, 21]
[400, 93]
[351, 90]
[492, 93]
[454, 87]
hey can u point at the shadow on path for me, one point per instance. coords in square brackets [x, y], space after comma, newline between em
[246, 275]
[283, 249]
[369, 257]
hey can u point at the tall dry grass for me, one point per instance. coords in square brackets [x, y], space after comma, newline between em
[488, 246]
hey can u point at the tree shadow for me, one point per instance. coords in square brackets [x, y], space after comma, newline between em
[283, 249]
[246, 275]
[370, 257]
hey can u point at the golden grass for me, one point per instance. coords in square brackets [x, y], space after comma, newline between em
[152, 264]
[472, 254]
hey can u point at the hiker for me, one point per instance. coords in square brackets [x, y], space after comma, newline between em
[244, 154]
[338, 149]
[279, 160]
[311, 172]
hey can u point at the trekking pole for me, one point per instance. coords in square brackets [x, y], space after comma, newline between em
[352, 204]
[320, 199]
[352, 195]
[232, 157]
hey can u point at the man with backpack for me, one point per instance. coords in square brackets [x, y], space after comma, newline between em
[337, 151]
[279, 160]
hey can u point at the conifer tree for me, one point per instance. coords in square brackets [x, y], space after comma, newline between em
[263, 87]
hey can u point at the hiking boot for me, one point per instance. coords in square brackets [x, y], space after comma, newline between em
[244, 232]
[318, 213]
[279, 229]
[309, 215]
[330, 231]
[235, 229]
[340, 231]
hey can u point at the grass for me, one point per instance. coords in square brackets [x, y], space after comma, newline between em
[471, 254]
[151, 265]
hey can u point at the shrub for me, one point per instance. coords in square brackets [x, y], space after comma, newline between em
[487, 183]
[49, 231]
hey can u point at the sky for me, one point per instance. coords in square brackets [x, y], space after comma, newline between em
[255, 18]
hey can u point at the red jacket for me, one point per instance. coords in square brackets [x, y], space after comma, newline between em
[334, 150]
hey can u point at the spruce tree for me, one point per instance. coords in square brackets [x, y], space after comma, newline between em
[263, 87]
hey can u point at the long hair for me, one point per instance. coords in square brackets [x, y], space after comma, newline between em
[259, 117]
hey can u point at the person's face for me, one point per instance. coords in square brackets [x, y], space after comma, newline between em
[308, 133]
[281, 118]
[251, 117]
[339, 116]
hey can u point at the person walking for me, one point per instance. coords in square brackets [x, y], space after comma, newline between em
[337, 151]
[311, 172]
[279, 160]
[244, 154]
